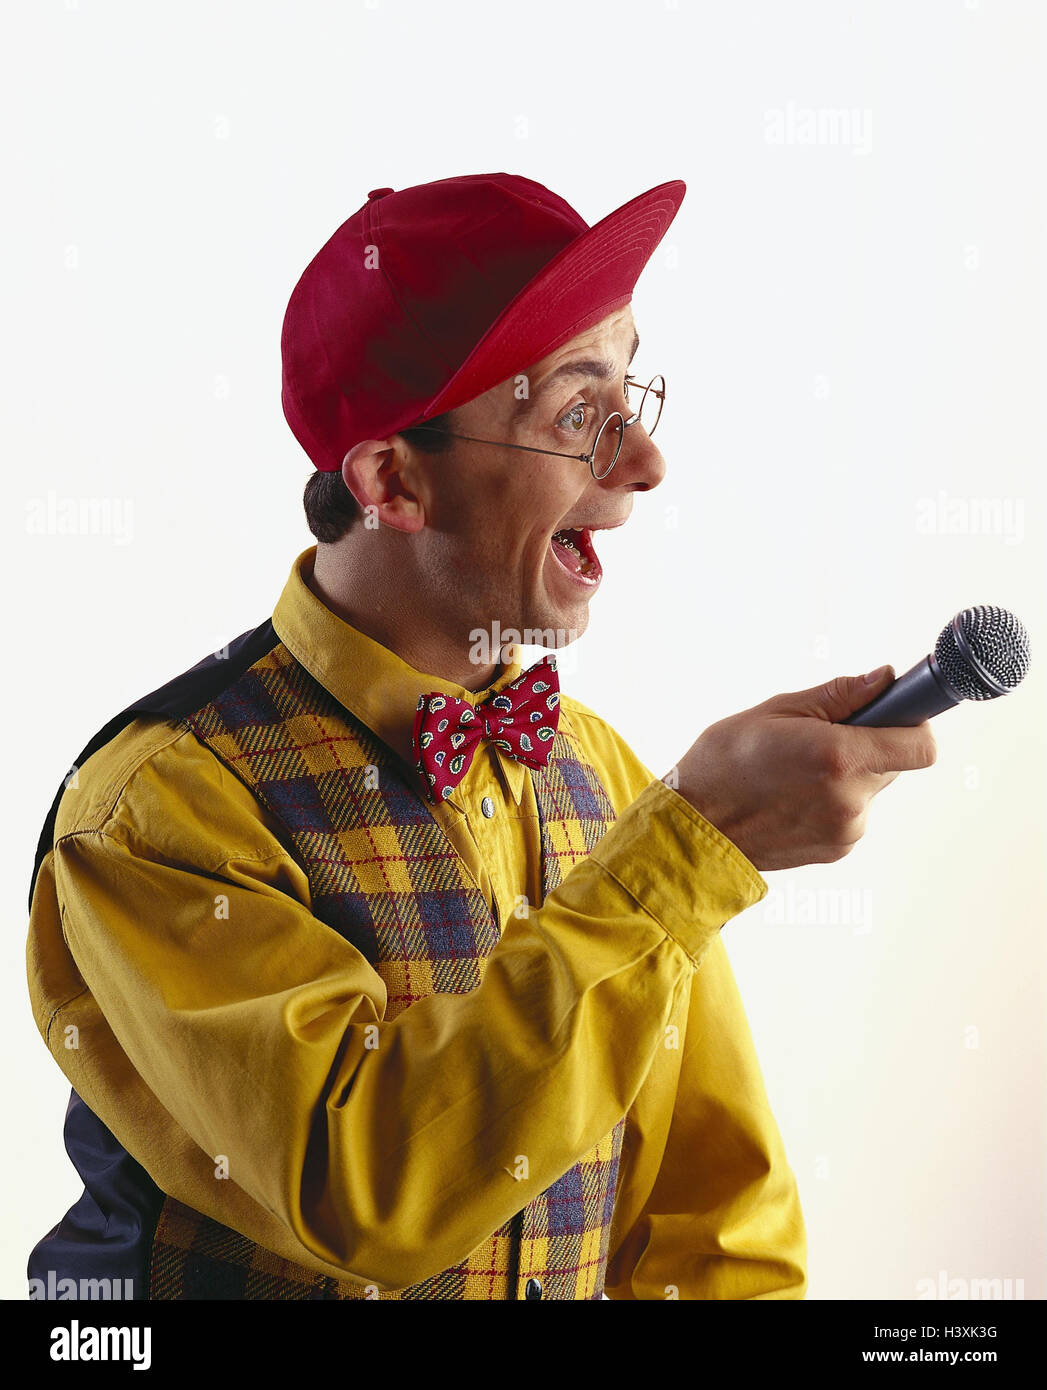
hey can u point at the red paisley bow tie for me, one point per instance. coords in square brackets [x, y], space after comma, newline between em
[521, 720]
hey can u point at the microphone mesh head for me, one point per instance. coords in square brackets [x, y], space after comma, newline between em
[998, 643]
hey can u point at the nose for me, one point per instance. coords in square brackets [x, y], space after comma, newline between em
[640, 465]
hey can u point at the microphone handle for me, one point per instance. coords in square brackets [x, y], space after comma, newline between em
[918, 695]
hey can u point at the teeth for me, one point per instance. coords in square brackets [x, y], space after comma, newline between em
[566, 540]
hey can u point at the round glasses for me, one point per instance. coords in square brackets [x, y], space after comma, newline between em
[611, 434]
[607, 445]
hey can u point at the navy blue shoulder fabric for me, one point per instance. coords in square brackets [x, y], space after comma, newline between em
[179, 696]
[108, 1233]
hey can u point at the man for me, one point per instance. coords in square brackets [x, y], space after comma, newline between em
[379, 969]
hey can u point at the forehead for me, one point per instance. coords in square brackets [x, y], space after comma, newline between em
[608, 346]
[610, 336]
[604, 350]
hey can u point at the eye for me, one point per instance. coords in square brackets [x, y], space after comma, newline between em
[574, 420]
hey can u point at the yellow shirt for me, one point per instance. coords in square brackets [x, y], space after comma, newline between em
[196, 1040]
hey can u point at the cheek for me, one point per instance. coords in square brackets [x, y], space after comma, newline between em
[546, 489]
[467, 503]
[513, 511]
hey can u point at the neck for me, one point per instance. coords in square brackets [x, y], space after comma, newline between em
[346, 579]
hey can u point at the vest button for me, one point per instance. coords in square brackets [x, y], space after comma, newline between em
[380, 192]
[487, 807]
[533, 1289]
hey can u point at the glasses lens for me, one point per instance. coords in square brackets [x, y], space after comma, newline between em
[607, 446]
[651, 402]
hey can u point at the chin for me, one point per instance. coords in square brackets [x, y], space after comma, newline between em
[560, 625]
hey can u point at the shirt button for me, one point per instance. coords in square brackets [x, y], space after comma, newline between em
[534, 1289]
[487, 807]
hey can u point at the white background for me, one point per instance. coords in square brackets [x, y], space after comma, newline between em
[851, 330]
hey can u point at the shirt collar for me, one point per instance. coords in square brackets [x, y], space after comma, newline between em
[371, 681]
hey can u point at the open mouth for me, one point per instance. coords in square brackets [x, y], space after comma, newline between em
[574, 550]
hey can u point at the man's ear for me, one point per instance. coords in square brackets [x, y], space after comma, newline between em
[378, 474]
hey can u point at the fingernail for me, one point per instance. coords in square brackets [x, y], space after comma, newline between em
[874, 676]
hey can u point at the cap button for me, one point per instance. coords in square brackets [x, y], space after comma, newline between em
[380, 192]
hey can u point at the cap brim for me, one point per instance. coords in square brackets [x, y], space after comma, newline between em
[590, 278]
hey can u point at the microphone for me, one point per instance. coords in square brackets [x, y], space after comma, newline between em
[982, 654]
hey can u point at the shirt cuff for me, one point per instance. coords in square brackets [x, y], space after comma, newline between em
[678, 867]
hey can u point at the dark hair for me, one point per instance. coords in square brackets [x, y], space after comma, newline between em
[331, 509]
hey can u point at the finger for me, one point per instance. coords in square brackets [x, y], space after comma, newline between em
[897, 750]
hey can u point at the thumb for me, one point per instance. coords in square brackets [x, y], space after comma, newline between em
[843, 695]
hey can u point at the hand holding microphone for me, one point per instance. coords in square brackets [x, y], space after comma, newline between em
[788, 785]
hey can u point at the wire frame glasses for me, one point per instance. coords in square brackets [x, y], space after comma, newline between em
[607, 445]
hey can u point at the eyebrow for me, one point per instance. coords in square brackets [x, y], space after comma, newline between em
[584, 367]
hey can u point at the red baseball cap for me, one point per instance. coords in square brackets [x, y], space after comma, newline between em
[427, 297]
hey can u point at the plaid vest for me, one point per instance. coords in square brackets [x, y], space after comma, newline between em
[426, 929]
